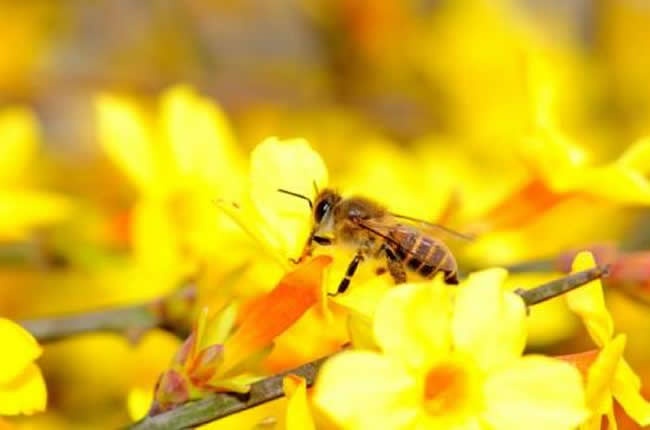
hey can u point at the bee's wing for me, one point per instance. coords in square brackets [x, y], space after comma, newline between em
[433, 228]
[382, 225]
[382, 228]
[379, 227]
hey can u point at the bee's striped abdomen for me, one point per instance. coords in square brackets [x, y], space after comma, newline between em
[424, 255]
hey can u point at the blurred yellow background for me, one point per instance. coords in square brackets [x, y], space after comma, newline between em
[525, 122]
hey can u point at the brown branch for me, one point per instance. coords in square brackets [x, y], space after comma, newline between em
[125, 320]
[217, 406]
[132, 321]
[561, 286]
[33, 253]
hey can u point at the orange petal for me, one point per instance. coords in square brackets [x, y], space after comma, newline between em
[581, 360]
[529, 202]
[276, 312]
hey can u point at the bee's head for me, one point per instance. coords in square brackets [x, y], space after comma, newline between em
[325, 202]
[322, 207]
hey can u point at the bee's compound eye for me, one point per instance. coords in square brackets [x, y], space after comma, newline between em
[321, 210]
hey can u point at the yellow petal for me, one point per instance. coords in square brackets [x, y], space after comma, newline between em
[19, 136]
[156, 244]
[489, 323]
[22, 210]
[535, 393]
[201, 141]
[366, 290]
[554, 155]
[413, 322]
[201, 323]
[298, 414]
[221, 326]
[292, 165]
[589, 303]
[253, 225]
[625, 373]
[600, 377]
[621, 181]
[125, 136]
[562, 164]
[611, 421]
[19, 350]
[138, 402]
[25, 394]
[428, 422]
[637, 156]
[626, 391]
[360, 331]
[365, 390]
[613, 182]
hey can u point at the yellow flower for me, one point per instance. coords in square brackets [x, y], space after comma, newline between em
[563, 180]
[278, 222]
[22, 208]
[298, 413]
[562, 188]
[179, 162]
[565, 168]
[212, 359]
[446, 364]
[22, 388]
[281, 223]
[186, 165]
[609, 377]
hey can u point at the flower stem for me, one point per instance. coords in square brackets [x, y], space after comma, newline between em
[217, 406]
[174, 313]
[122, 320]
[560, 286]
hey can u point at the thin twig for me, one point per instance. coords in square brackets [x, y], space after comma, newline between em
[560, 286]
[31, 253]
[217, 406]
[123, 320]
[173, 313]
[221, 405]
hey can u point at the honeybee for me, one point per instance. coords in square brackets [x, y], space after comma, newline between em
[407, 244]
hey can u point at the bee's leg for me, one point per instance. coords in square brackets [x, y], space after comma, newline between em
[324, 241]
[306, 250]
[309, 247]
[352, 268]
[395, 267]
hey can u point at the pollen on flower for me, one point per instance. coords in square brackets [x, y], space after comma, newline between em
[444, 388]
[447, 389]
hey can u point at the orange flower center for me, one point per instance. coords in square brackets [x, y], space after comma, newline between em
[446, 389]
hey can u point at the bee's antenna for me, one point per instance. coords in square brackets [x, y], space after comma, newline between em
[300, 196]
[316, 187]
